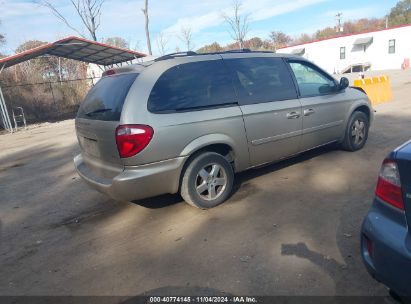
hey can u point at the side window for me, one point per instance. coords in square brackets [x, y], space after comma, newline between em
[342, 52]
[192, 86]
[391, 46]
[312, 82]
[261, 79]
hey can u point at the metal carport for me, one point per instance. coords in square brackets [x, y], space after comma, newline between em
[72, 48]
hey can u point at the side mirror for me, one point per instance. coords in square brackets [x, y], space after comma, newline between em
[344, 83]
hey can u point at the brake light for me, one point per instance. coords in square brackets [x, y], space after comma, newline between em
[132, 139]
[109, 72]
[389, 184]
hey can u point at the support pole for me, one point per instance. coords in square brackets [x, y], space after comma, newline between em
[54, 100]
[5, 113]
[3, 117]
[3, 108]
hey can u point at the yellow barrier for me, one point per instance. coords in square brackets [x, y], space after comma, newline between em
[378, 89]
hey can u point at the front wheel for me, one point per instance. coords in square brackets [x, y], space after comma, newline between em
[207, 181]
[356, 134]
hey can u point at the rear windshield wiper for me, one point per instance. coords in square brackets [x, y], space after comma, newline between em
[97, 111]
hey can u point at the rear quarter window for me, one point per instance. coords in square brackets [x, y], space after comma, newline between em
[192, 86]
[106, 99]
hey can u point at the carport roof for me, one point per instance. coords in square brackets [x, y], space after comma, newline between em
[78, 49]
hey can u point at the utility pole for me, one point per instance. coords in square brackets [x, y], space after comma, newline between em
[339, 28]
[145, 12]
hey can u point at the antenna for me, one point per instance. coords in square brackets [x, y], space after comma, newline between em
[339, 28]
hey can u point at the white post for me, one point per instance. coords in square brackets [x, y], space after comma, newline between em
[5, 113]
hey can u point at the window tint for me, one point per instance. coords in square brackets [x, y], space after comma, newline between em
[105, 100]
[193, 85]
[391, 46]
[261, 80]
[312, 82]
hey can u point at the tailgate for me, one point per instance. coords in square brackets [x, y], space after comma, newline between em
[97, 120]
[98, 146]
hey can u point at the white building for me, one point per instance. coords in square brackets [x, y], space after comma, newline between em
[386, 49]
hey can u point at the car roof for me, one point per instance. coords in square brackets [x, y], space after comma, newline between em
[139, 67]
[227, 54]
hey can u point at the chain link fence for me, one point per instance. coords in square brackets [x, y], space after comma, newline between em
[47, 101]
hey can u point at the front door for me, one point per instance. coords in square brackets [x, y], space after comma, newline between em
[270, 106]
[324, 106]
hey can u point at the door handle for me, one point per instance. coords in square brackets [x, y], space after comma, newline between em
[293, 115]
[308, 112]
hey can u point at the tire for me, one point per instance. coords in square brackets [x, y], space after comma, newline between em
[216, 186]
[356, 134]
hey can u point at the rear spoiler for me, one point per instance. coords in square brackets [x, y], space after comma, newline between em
[123, 70]
[120, 70]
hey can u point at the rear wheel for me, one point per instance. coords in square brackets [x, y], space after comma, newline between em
[207, 181]
[356, 134]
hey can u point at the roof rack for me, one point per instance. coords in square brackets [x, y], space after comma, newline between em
[173, 55]
[237, 51]
[191, 53]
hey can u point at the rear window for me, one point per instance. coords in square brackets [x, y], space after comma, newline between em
[105, 100]
[192, 86]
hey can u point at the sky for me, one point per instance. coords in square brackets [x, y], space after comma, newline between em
[23, 20]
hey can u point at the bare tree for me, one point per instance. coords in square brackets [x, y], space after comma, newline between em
[239, 24]
[186, 36]
[89, 12]
[117, 41]
[136, 46]
[2, 38]
[145, 12]
[162, 41]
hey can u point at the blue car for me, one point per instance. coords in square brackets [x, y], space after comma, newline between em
[385, 237]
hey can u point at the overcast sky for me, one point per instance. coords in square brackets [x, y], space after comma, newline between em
[23, 20]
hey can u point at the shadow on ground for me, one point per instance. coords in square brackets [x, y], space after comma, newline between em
[290, 229]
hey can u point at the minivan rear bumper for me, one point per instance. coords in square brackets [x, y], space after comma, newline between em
[136, 182]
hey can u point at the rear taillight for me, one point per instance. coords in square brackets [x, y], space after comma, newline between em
[131, 139]
[109, 73]
[389, 184]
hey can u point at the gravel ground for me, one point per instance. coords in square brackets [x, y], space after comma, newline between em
[290, 229]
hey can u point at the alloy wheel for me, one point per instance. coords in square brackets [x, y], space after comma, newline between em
[211, 181]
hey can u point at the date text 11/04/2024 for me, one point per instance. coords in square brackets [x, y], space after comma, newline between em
[202, 299]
